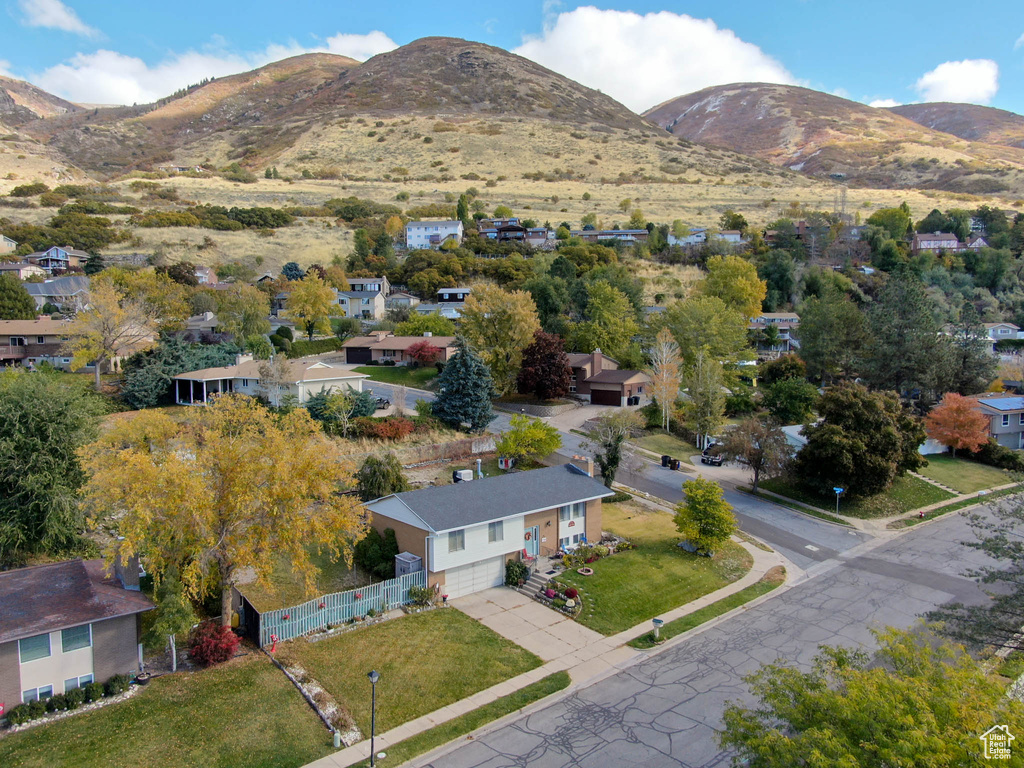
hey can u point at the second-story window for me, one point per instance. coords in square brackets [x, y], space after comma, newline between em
[456, 540]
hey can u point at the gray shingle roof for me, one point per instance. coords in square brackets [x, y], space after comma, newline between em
[60, 286]
[447, 507]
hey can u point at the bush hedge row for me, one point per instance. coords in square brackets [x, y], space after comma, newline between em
[73, 699]
[318, 347]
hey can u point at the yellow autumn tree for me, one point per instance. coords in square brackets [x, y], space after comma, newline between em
[311, 304]
[734, 280]
[499, 325]
[665, 373]
[228, 489]
[114, 326]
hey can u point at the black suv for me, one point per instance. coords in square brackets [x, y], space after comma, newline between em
[712, 455]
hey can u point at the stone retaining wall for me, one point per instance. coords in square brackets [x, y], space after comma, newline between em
[541, 411]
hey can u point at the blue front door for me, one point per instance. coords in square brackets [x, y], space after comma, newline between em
[532, 537]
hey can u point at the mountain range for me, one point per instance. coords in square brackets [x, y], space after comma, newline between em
[442, 106]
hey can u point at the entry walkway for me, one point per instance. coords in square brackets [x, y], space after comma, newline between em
[559, 641]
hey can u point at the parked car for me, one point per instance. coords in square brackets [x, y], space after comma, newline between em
[714, 460]
[711, 448]
[383, 402]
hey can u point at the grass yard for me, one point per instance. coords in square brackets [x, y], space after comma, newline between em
[905, 495]
[658, 575]
[244, 712]
[767, 583]
[460, 726]
[418, 378]
[963, 475]
[286, 589]
[665, 443]
[426, 661]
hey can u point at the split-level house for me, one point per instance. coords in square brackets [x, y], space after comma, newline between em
[464, 533]
[57, 259]
[597, 377]
[206, 276]
[30, 342]
[66, 625]
[936, 242]
[7, 245]
[384, 345]
[786, 323]
[376, 284]
[1006, 419]
[365, 305]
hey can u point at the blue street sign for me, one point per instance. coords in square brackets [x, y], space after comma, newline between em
[838, 490]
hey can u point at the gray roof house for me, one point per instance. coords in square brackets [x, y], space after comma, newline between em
[464, 533]
[69, 289]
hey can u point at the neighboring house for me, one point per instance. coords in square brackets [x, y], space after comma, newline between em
[935, 242]
[696, 236]
[66, 625]
[597, 377]
[976, 243]
[1006, 419]
[206, 276]
[305, 378]
[57, 259]
[785, 322]
[733, 236]
[22, 270]
[266, 277]
[540, 237]
[453, 295]
[432, 234]
[7, 245]
[466, 532]
[619, 235]
[400, 299]
[71, 290]
[483, 224]
[383, 345]
[1000, 331]
[450, 309]
[504, 233]
[204, 323]
[377, 284]
[366, 305]
[30, 342]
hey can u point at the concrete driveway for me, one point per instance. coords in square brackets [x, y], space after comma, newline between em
[527, 623]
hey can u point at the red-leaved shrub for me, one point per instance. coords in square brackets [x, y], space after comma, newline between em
[212, 643]
[572, 593]
[394, 428]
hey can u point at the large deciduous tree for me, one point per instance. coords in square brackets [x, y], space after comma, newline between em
[704, 517]
[705, 322]
[43, 420]
[464, 390]
[863, 441]
[972, 365]
[528, 438]
[705, 407]
[311, 303]
[222, 493]
[243, 312]
[920, 702]
[380, 476]
[957, 423]
[665, 373]
[734, 280]
[760, 445]
[15, 301]
[609, 322]
[499, 325]
[790, 401]
[112, 327]
[833, 334]
[417, 325]
[545, 370]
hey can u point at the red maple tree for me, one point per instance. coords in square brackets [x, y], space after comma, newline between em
[957, 423]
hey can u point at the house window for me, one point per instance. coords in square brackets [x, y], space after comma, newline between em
[245, 382]
[456, 541]
[76, 682]
[572, 387]
[576, 538]
[563, 514]
[495, 532]
[563, 543]
[1006, 420]
[36, 694]
[32, 648]
[17, 341]
[40, 340]
[75, 638]
[1021, 419]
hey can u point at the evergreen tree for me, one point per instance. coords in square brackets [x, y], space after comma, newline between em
[971, 365]
[462, 211]
[148, 375]
[464, 390]
[15, 301]
[293, 271]
[94, 264]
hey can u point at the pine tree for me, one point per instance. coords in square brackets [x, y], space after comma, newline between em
[15, 301]
[465, 388]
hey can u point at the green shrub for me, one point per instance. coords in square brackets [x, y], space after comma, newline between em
[19, 715]
[93, 692]
[617, 498]
[36, 709]
[421, 595]
[284, 332]
[996, 455]
[389, 362]
[117, 684]
[281, 345]
[75, 698]
[56, 703]
[29, 190]
[303, 348]
[516, 573]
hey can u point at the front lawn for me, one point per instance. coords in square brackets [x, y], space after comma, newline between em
[426, 661]
[666, 444]
[906, 494]
[658, 575]
[419, 378]
[244, 712]
[963, 475]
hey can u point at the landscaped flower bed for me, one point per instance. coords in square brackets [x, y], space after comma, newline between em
[562, 598]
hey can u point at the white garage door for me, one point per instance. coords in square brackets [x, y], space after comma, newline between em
[474, 577]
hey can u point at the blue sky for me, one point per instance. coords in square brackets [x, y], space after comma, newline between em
[641, 53]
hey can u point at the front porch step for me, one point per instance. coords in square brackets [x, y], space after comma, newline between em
[538, 579]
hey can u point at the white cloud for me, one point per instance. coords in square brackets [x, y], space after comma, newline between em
[882, 103]
[644, 60]
[974, 81]
[109, 77]
[1019, 43]
[5, 68]
[53, 14]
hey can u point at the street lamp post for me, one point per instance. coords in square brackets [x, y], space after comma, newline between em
[839, 492]
[374, 677]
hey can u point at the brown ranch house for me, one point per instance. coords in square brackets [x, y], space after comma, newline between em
[383, 345]
[597, 377]
[464, 533]
[66, 625]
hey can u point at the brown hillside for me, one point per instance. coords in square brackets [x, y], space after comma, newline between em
[826, 136]
[968, 121]
[21, 102]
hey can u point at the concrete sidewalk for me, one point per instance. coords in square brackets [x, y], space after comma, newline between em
[587, 655]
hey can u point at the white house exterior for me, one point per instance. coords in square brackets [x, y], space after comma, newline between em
[22, 270]
[305, 378]
[466, 532]
[432, 234]
[7, 245]
[696, 236]
[365, 305]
